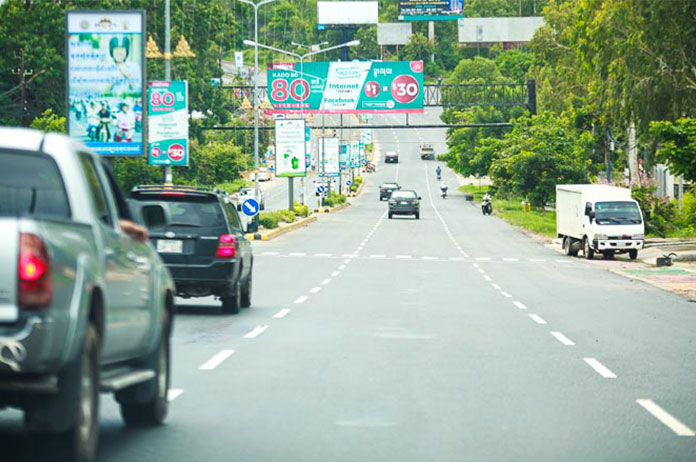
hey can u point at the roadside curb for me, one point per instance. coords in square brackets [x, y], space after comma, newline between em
[360, 188]
[273, 233]
[332, 209]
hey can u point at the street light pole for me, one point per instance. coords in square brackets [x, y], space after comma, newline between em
[168, 178]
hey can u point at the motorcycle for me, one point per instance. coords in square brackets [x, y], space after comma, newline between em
[443, 192]
[124, 133]
[439, 177]
[486, 207]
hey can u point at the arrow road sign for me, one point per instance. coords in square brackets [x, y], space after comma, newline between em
[348, 183]
[321, 189]
[250, 207]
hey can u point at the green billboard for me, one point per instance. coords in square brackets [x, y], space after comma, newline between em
[347, 87]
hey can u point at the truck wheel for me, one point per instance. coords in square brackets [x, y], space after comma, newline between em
[587, 249]
[566, 245]
[246, 291]
[77, 400]
[146, 404]
[232, 299]
[633, 254]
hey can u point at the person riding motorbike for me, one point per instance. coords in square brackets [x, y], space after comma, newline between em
[103, 129]
[486, 205]
[438, 171]
[443, 190]
[125, 121]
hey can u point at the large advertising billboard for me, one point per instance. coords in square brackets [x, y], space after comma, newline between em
[346, 14]
[348, 87]
[168, 128]
[106, 73]
[329, 157]
[290, 145]
[430, 10]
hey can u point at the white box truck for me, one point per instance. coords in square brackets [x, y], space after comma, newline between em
[598, 219]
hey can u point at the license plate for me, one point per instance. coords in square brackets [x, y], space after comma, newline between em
[170, 246]
[404, 203]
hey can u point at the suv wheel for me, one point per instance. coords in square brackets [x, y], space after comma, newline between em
[246, 291]
[78, 398]
[231, 300]
[153, 409]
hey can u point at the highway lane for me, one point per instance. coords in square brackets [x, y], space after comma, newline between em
[453, 337]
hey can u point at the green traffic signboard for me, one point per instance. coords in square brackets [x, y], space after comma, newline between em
[347, 87]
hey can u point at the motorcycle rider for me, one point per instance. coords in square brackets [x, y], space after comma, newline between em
[486, 204]
[438, 171]
[443, 189]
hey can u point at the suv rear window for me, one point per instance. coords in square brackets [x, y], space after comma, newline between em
[187, 213]
[30, 184]
[403, 195]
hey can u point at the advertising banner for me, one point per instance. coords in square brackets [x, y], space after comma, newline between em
[343, 156]
[308, 146]
[290, 147]
[430, 10]
[167, 123]
[348, 87]
[329, 158]
[106, 73]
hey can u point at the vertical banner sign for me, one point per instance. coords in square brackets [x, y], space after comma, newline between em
[167, 107]
[343, 156]
[329, 158]
[308, 146]
[290, 144]
[348, 87]
[106, 72]
[238, 60]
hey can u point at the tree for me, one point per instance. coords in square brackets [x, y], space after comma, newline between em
[49, 122]
[678, 145]
[419, 48]
[368, 48]
[515, 64]
[541, 152]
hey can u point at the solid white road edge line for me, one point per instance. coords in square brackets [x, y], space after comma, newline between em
[665, 417]
[537, 319]
[282, 313]
[216, 360]
[563, 339]
[174, 393]
[256, 331]
[600, 368]
[301, 299]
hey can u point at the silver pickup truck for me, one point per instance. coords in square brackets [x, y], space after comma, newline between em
[84, 307]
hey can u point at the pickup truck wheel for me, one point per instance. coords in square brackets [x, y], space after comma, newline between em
[79, 398]
[152, 410]
[566, 245]
[231, 300]
[246, 291]
[633, 254]
[587, 249]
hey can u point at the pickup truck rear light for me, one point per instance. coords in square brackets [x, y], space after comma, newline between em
[227, 246]
[392, 201]
[35, 283]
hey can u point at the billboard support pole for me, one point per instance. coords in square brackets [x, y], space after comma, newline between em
[167, 173]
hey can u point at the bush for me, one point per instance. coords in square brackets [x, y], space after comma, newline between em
[233, 186]
[301, 210]
[286, 216]
[335, 199]
[444, 157]
[269, 220]
[660, 213]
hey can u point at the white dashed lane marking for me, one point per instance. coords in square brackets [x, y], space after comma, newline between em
[282, 313]
[665, 417]
[505, 294]
[563, 339]
[600, 368]
[487, 278]
[495, 286]
[537, 319]
[301, 299]
[256, 331]
[322, 254]
[519, 305]
[325, 281]
[314, 290]
[216, 360]
[174, 393]
[335, 273]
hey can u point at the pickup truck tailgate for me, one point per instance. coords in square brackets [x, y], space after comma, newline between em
[8, 270]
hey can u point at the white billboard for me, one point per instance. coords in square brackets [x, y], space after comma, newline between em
[330, 157]
[290, 148]
[497, 30]
[338, 14]
[394, 33]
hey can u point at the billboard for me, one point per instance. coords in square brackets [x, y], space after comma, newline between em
[332, 15]
[348, 87]
[430, 10]
[394, 33]
[498, 30]
[167, 123]
[290, 148]
[105, 86]
[330, 157]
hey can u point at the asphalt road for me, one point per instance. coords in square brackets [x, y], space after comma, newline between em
[449, 338]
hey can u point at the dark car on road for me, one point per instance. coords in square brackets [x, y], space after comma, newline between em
[391, 156]
[386, 190]
[201, 240]
[404, 202]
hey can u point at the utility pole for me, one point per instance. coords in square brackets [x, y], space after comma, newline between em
[23, 73]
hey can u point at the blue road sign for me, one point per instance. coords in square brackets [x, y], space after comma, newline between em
[321, 189]
[250, 207]
[348, 183]
[364, 162]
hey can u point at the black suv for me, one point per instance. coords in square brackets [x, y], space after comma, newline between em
[200, 238]
[386, 190]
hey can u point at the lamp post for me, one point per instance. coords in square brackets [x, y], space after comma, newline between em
[255, 44]
[256, 93]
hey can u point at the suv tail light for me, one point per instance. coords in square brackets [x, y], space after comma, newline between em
[392, 201]
[227, 246]
[382, 189]
[35, 283]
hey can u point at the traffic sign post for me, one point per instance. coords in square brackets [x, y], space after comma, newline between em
[250, 207]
